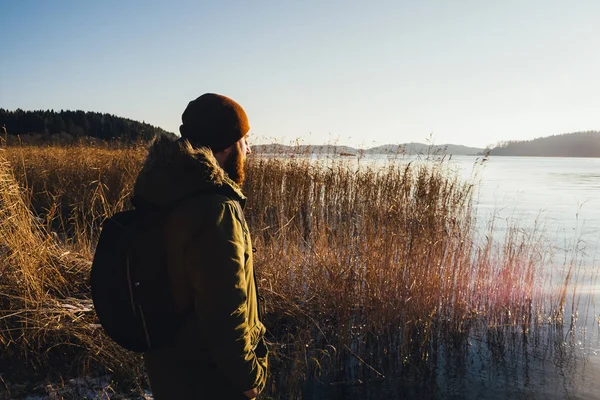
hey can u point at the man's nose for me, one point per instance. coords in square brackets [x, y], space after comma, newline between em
[248, 151]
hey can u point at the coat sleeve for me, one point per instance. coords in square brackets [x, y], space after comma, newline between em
[216, 261]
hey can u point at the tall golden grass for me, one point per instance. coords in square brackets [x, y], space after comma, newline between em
[47, 325]
[366, 271]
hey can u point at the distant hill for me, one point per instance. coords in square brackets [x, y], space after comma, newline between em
[578, 144]
[303, 149]
[48, 125]
[408, 148]
[422, 148]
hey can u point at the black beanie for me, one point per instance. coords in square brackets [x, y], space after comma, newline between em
[214, 121]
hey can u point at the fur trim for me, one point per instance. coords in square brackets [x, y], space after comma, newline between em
[173, 169]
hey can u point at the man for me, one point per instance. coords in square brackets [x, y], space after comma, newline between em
[219, 352]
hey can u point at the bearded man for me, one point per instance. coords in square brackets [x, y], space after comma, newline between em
[219, 352]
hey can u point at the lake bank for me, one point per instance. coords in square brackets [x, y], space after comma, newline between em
[371, 277]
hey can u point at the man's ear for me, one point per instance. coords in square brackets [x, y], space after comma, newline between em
[222, 155]
[228, 150]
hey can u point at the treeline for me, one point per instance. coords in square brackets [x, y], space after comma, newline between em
[578, 144]
[40, 125]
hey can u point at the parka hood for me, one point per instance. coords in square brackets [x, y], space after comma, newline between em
[174, 169]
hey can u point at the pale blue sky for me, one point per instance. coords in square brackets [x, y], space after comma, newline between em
[360, 73]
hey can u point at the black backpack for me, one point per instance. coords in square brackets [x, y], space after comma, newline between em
[131, 290]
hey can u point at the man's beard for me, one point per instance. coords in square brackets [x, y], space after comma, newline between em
[234, 166]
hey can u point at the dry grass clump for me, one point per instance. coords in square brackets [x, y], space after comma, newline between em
[366, 271]
[47, 325]
[75, 187]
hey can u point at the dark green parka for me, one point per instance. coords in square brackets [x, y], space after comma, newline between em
[219, 352]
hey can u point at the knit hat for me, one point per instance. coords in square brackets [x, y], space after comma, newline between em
[214, 121]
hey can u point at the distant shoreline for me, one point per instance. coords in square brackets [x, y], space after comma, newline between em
[298, 153]
[576, 145]
[68, 127]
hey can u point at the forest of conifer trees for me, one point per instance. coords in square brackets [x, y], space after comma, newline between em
[68, 125]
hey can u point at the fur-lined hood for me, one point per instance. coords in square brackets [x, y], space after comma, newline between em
[174, 169]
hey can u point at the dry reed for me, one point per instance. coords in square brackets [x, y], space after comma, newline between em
[366, 271]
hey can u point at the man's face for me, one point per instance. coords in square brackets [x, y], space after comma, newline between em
[234, 165]
[244, 147]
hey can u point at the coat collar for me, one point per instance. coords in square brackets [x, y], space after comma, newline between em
[174, 170]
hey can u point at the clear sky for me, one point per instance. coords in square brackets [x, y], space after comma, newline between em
[360, 73]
